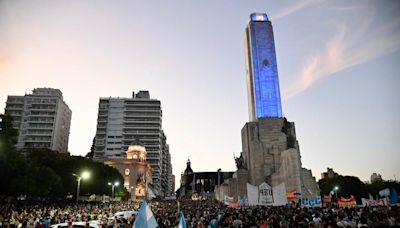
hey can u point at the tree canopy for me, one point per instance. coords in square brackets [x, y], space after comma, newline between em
[350, 185]
[46, 173]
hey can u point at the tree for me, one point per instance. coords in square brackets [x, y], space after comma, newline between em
[12, 164]
[378, 185]
[64, 165]
[8, 135]
[91, 153]
[348, 185]
[42, 172]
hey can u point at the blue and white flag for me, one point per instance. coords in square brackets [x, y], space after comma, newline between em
[394, 198]
[182, 223]
[145, 218]
[384, 192]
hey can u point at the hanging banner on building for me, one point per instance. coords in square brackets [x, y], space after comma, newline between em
[316, 202]
[228, 200]
[372, 202]
[279, 195]
[252, 194]
[350, 202]
[265, 194]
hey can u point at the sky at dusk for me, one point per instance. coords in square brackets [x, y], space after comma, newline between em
[338, 64]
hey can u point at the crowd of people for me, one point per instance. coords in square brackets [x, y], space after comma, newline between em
[213, 214]
[200, 213]
[44, 214]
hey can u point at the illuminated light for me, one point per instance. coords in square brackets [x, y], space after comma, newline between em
[259, 17]
[85, 175]
[263, 81]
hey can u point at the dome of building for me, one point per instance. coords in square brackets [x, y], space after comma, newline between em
[188, 169]
[136, 152]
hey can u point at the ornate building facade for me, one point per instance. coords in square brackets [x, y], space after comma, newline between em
[136, 171]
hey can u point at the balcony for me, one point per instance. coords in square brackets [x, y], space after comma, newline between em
[142, 103]
[141, 121]
[142, 128]
[37, 140]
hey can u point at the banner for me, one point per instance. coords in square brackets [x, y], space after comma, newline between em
[293, 195]
[265, 194]
[343, 202]
[243, 201]
[327, 200]
[372, 202]
[316, 202]
[228, 200]
[252, 194]
[279, 194]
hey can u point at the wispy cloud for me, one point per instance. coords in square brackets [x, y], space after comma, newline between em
[299, 5]
[352, 44]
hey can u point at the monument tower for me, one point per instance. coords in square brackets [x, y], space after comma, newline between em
[270, 150]
[262, 73]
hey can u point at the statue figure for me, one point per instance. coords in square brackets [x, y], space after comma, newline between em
[288, 130]
[240, 162]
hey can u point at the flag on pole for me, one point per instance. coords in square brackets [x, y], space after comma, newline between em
[394, 198]
[384, 192]
[145, 218]
[182, 223]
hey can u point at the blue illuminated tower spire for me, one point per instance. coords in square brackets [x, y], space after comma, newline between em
[262, 73]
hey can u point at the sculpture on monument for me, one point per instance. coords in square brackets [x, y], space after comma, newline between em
[240, 162]
[289, 132]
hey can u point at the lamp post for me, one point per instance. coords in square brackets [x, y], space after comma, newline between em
[336, 188]
[219, 190]
[84, 175]
[218, 172]
[112, 187]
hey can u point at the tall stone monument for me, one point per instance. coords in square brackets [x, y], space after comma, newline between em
[270, 151]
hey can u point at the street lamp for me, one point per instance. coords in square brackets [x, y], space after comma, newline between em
[218, 172]
[112, 187]
[84, 175]
[336, 188]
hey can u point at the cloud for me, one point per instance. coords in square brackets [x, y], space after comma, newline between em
[299, 5]
[352, 44]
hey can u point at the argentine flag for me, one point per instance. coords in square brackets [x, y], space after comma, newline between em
[182, 223]
[145, 218]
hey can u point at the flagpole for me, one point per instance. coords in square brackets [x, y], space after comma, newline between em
[178, 209]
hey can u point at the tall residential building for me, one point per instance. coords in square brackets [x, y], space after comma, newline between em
[166, 170]
[329, 173]
[42, 119]
[376, 177]
[122, 121]
[262, 73]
